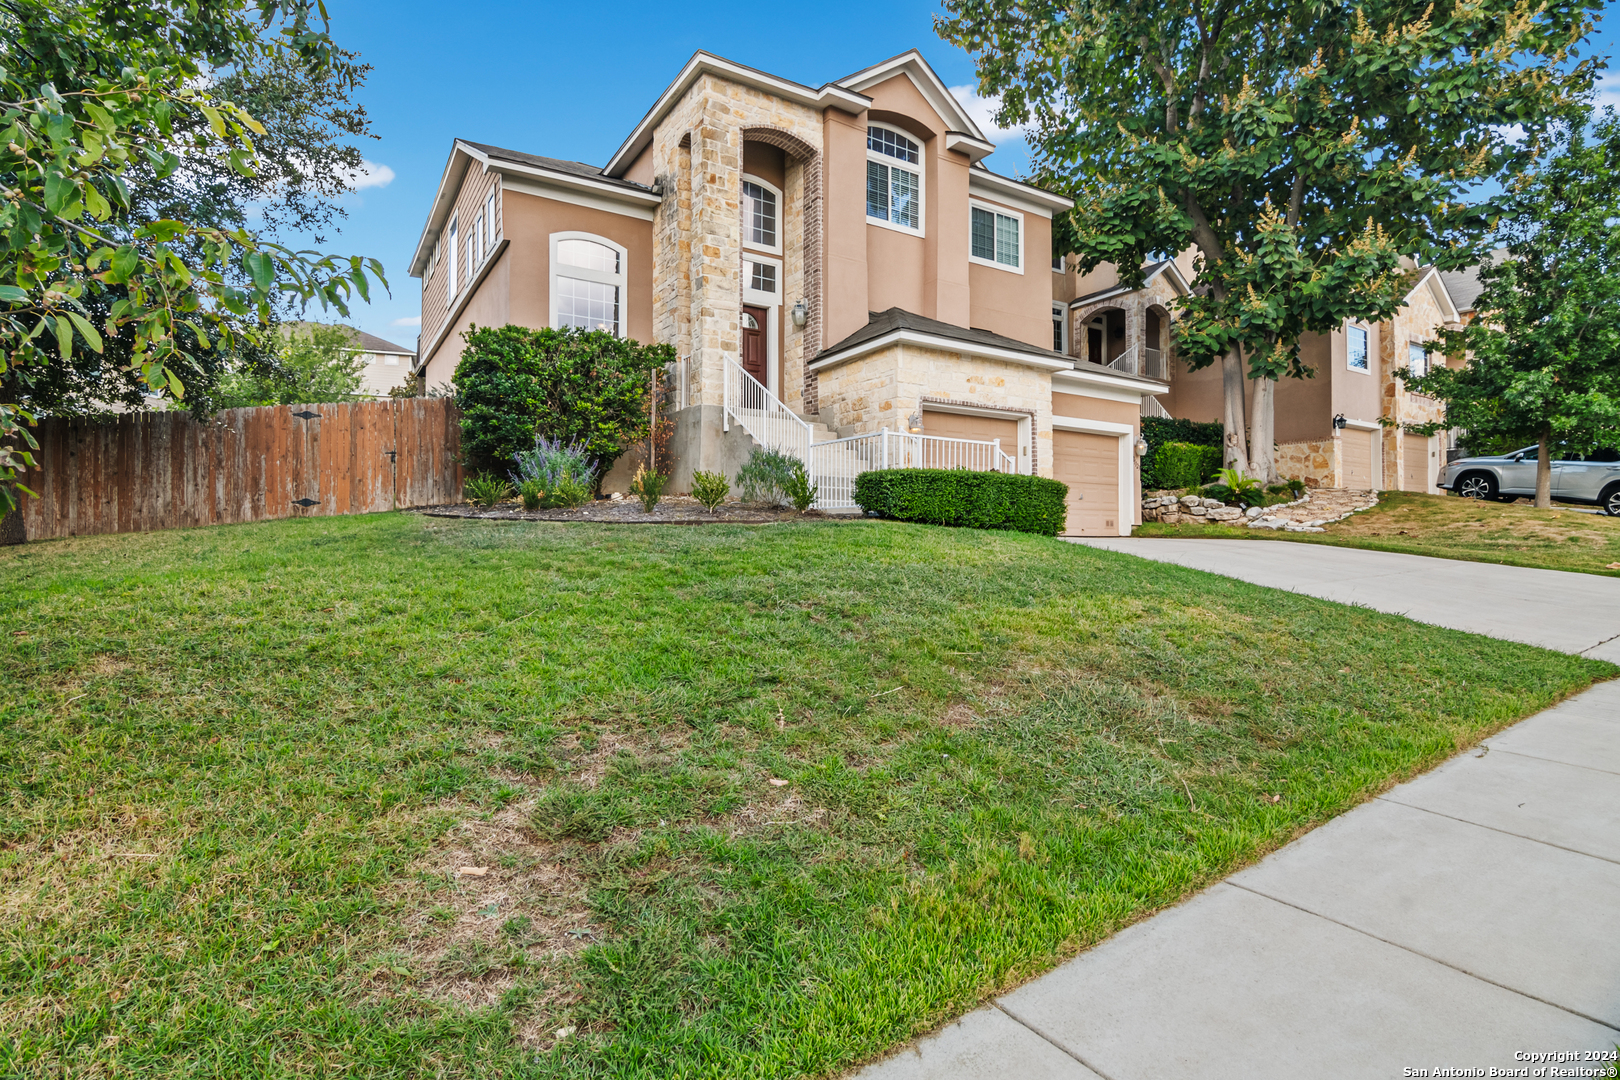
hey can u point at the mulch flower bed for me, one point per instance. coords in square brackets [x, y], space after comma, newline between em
[671, 510]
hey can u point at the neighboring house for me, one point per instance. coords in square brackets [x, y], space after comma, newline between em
[1344, 427]
[387, 365]
[828, 262]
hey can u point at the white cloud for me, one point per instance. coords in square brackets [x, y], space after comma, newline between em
[371, 174]
[983, 111]
[409, 320]
[1608, 91]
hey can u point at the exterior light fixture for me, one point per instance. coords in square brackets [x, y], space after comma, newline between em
[800, 313]
[1339, 422]
[1141, 447]
[914, 423]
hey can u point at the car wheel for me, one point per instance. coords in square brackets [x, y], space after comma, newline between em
[1476, 486]
[1611, 501]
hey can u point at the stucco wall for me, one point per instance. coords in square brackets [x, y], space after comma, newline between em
[1018, 305]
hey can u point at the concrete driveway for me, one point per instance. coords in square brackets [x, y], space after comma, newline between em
[1461, 921]
[1575, 613]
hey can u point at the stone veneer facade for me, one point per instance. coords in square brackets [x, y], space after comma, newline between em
[1319, 462]
[697, 160]
[882, 388]
[1158, 293]
[1416, 321]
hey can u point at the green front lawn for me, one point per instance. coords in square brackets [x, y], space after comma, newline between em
[245, 766]
[1451, 528]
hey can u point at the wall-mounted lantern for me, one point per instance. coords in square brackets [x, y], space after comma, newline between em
[914, 423]
[800, 313]
[1339, 422]
[1141, 447]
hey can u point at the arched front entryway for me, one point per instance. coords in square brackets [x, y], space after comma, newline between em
[1101, 335]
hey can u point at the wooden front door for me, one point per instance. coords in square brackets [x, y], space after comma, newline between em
[754, 352]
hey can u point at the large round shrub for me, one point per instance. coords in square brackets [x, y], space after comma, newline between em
[514, 384]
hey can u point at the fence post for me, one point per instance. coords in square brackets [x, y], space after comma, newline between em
[995, 465]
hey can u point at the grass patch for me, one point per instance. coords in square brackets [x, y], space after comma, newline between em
[1451, 528]
[394, 796]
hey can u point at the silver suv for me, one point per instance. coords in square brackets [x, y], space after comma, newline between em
[1578, 478]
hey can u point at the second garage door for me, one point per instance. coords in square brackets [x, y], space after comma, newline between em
[1419, 453]
[957, 426]
[1089, 464]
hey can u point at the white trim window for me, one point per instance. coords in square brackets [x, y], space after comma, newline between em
[1060, 327]
[894, 193]
[997, 237]
[1355, 350]
[1417, 358]
[761, 214]
[489, 216]
[450, 256]
[1057, 265]
[588, 279]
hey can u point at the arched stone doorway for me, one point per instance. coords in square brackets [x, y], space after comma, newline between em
[1100, 335]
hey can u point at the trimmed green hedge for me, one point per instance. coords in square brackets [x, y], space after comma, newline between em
[1183, 465]
[977, 500]
[1157, 430]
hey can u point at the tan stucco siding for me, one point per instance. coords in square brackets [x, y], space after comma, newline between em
[844, 230]
[489, 306]
[1017, 305]
[1304, 407]
[1085, 407]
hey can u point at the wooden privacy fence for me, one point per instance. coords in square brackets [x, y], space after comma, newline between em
[164, 470]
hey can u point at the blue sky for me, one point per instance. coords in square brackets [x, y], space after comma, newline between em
[571, 80]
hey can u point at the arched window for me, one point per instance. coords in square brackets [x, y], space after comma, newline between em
[588, 276]
[894, 191]
[761, 214]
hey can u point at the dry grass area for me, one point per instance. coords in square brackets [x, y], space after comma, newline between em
[1562, 538]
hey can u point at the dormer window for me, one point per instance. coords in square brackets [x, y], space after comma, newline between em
[893, 190]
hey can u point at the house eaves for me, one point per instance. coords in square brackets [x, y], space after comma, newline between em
[1151, 271]
[928, 84]
[702, 63]
[992, 185]
[564, 176]
[1431, 279]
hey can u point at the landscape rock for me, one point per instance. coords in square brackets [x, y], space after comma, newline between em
[1253, 512]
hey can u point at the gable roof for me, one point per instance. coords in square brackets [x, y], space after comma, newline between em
[1464, 285]
[1149, 272]
[359, 340]
[933, 89]
[1430, 278]
[704, 63]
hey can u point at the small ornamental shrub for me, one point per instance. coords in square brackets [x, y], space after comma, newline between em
[710, 489]
[530, 490]
[1182, 465]
[978, 500]
[765, 476]
[1158, 430]
[563, 472]
[799, 490]
[486, 490]
[567, 493]
[648, 486]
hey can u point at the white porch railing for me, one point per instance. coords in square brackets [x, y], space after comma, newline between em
[762, 414]
[1155, 366]
[835, 464]
[1151, 407]
[1125, 361]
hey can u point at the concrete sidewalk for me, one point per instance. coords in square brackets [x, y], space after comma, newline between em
[1460, 920]
[1576, 613]
[1463, 918]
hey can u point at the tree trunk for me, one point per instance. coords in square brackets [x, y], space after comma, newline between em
[1544, 471]
[1262, 424]
[1233, 452]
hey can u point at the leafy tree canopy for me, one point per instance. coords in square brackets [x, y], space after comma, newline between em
[111, 120]
[1544, 345]
[1300, 147]
[315, 363]
[515, 384]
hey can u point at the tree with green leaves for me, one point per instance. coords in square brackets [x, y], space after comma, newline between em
[514, 385]
[315, 363]
[1300, 148]
[106, 111]
[1544, 345]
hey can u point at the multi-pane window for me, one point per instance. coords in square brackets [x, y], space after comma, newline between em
[893, 193]
[587, 285]
[489, 216]
[759, 215]
[761, 277]
[1417, 361]
[995, 237]
[1356, 349]
[1059, 317]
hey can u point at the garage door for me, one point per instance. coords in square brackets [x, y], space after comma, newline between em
[1419, 452]
[1358, 458]
[1089, 464]
[956, 426]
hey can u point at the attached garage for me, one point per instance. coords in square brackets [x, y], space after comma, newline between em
[1358, 449]
[980, 428]
[1418, 466]
[1093, 466]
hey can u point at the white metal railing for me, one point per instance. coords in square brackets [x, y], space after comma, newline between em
[762, 414]
[1125, 361]
[1151, 407]
[1155, 367]
[834, 465]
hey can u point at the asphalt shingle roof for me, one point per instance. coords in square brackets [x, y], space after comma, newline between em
[577, 168]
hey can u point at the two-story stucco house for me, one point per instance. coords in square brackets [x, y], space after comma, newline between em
[829, 263]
